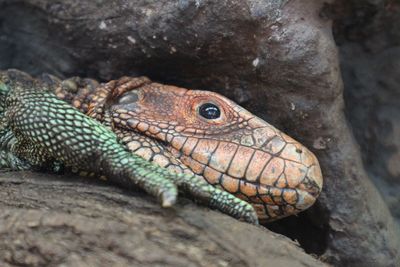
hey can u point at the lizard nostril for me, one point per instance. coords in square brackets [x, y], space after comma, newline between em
[298, 150]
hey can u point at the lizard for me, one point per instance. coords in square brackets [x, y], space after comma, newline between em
[199, 135]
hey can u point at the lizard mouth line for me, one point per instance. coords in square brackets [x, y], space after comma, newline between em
[263, 194]
[223, 144]
[116, 128]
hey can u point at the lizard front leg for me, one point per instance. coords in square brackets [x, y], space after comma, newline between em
[51, 130]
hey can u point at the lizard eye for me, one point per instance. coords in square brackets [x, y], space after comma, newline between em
[129, 97]
[209, 111]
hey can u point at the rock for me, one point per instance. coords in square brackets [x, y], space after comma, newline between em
[370, 59]
[278, 58]
[53, 220]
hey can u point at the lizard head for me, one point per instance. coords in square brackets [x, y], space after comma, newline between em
[220, 141]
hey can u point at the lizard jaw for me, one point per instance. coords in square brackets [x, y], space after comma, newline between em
[294, 187]
[239, 152]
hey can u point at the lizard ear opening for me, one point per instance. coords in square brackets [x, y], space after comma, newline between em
[128, 98]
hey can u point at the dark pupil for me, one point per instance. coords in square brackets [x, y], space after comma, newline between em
[209, 111]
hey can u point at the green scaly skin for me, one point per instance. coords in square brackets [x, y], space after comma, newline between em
[39, 131]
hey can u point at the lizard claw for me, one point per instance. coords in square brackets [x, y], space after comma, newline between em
[168, 199]
[251, 217]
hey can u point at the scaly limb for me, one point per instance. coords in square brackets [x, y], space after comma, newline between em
[49, 130]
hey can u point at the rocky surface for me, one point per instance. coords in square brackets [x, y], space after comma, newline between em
[277, 58]
[370, 59]
[66, 221]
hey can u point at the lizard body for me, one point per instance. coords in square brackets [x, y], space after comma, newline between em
[41, 131]
[197, 133]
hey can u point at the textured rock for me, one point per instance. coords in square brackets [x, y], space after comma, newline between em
[52, 221]
[370, 59]
[277, 58]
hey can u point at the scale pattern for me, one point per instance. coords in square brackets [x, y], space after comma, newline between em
[42, 131]
[237, 152]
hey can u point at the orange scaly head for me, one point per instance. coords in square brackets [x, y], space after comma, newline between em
[214, 138]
